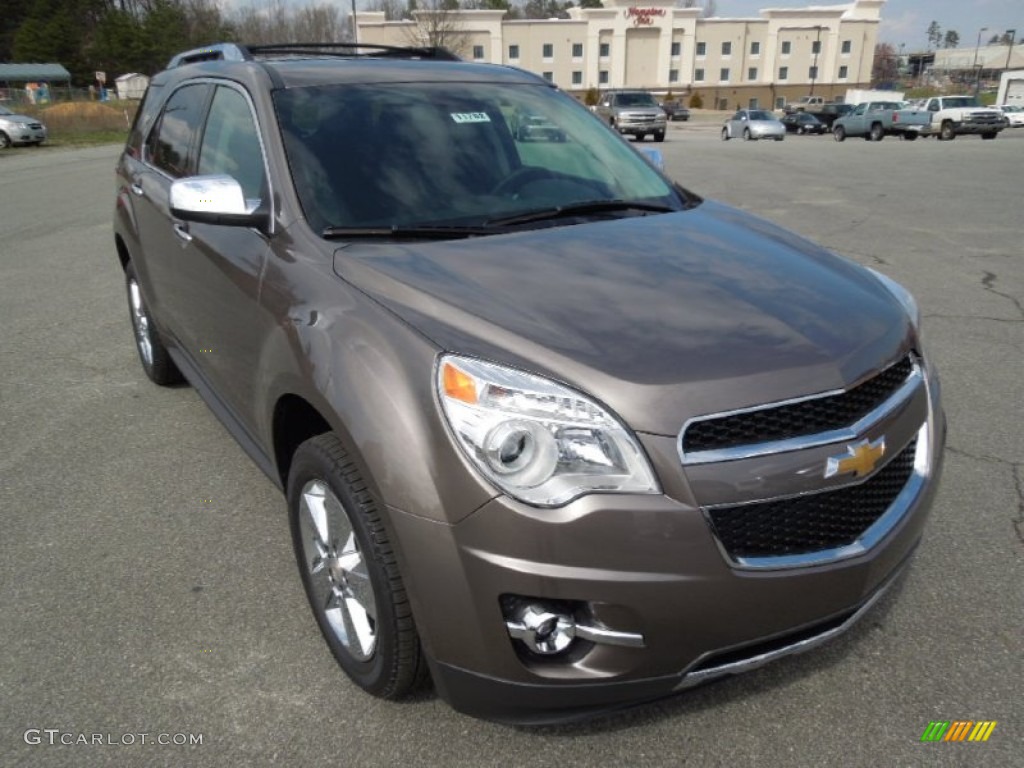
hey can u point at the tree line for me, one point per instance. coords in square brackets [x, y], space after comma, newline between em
[119, 36]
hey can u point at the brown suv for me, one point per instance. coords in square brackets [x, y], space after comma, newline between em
[551, 428]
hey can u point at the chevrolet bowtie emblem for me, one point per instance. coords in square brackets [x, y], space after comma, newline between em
[859, 459]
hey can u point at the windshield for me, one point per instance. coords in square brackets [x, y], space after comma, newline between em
[960, 101]
[408, 155]
[635, 100]
[760, 115]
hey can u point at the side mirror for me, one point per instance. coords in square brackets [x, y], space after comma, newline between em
[654, 157]
[215, 200]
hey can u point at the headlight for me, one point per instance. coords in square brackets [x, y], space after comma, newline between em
[538, 441]
[902, 295]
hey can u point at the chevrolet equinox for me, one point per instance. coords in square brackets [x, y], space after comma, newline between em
[553, 431]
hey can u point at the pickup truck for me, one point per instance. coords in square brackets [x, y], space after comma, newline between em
[803, 104]
[874, 120]
[951, 116]
[632, 112]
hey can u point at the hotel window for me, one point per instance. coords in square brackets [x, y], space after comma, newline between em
[783, 73]
[677, 48]
[549, 76]
[785, 47]
[726, 49]
[847, 46]
[577, 78]
[513, 52]
[844, 72]
[755, 48]
[723, 74]
[605, 50]
[754, 103]
[673, 75]
[752, 73]
[698, 75]
[478, 52]
[812, 73]
[548, 51]
[816, 46]
[602, 77]
[702, 49]
[577, 50]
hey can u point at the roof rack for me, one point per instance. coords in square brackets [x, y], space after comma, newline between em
[236, 52]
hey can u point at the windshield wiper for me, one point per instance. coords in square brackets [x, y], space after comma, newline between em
[424, 232]
[579, 209]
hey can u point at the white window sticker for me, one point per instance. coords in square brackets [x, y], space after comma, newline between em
[470, 117]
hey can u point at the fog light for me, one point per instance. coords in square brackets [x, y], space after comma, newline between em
[544, 631]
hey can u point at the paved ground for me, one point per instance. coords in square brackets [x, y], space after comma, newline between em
[147, 583]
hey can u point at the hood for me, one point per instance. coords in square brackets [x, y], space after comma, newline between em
[661, 317]
[19, 119]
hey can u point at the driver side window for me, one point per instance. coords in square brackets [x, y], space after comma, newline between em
[231, 143]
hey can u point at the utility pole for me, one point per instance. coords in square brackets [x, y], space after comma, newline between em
[1012, 34]
[977, 72]
[355, 26]
[814, 67]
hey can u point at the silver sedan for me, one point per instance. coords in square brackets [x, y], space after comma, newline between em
[753, 124]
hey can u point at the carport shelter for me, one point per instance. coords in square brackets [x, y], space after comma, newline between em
[16, 75]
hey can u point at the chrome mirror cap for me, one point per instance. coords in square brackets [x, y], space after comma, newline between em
[214, 200]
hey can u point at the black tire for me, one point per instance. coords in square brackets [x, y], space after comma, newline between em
[725, 134]
[395, 667]
[640, 136]
[659, 136]
[989, 136]
[839, 133]
[946, 132]
[746, 134]
[5, 140]
[800, 131]
[153, 355]
[877, 132]
[910, 136]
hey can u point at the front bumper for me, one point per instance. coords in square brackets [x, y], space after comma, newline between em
[647, 565]
[22, 134]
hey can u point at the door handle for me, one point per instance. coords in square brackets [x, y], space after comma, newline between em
[181, 230]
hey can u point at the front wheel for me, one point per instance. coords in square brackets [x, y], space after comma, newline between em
[746, 134]
[946, 132]
[725, 134]
[910, 137]
[350, 573]
[153, 355]
[839, 133]
[5, 140]
[877, 132]
[989, 136]
[659, 136]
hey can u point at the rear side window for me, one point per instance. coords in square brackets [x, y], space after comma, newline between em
[143, 120]
[231, 144]
[169, 143]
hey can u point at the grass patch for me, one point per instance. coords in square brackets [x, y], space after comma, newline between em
[84, 123]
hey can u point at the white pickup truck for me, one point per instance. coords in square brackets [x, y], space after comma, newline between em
[951, 116]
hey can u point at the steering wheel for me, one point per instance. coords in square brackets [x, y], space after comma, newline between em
[527, 174]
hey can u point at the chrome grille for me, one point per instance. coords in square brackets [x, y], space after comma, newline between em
[807, 417]
[812, 522]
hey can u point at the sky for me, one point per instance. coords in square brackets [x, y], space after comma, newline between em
[906, 21]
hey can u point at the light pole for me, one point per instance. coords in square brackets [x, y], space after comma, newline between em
[814, 67]
[1012, 34]
[977, 72]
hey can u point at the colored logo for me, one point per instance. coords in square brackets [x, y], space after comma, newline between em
[859, 459]
[959, 730]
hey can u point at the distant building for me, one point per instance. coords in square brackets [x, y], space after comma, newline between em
[131, 86]
[765, 61]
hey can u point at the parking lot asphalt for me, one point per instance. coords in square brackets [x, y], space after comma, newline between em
[147, 583]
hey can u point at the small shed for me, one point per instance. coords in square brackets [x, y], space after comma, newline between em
[131, 86]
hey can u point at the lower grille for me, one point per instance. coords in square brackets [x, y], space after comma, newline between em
[814, 522]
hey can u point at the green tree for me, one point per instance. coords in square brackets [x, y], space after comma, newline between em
[934, 35]
[951, 39]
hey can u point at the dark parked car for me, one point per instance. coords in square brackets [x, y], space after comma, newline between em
[829, 113]
[675, 110]
[803, 122]
[537, 128]
[551, 428]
